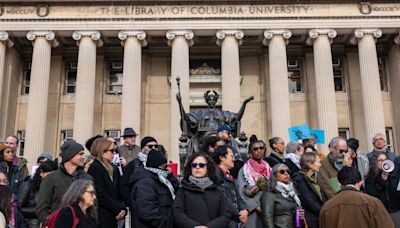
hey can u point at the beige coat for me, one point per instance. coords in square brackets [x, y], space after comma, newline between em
[351, 208]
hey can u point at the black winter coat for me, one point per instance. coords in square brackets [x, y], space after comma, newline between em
[151, 200]
[65, 219]
[272, 160]
[384, 191]
[310, 200]
[195, 207]
[235, 201]
[126, 182]
[109, 204]
[13, 175]
[293, 167]
[27, 200]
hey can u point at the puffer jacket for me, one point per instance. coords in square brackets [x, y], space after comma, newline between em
[152, 200]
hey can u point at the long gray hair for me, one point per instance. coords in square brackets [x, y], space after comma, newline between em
[272, 181]
[74, 195]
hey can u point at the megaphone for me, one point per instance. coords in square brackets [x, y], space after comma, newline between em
[387, 166]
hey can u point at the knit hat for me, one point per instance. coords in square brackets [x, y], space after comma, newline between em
[224, 127]
[69, 149]
[291, 147]
[155, 159]
[146, 140]
[45, 155]
[353, 144]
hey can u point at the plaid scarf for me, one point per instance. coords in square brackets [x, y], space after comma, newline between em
[162, 176]
[143, 157]
[287, 190]
[253, 170]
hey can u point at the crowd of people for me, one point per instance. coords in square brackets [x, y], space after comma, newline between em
[290, 185]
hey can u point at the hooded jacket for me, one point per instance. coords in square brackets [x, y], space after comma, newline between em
[53, 188]
[196, 207]
[151, 200]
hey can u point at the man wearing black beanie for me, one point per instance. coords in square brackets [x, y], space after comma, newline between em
[125, 185]
[56, 184]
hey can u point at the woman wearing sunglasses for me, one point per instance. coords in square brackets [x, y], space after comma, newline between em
[199, 202]
[106, 177]
[252, 180]
[79, 200]
[280, 201]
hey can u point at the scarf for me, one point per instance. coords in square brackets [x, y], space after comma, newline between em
[201, 182]
[279, 155]
[252, 170]
[287, 190]
[295, 158]
[162, 176]
[142, 157]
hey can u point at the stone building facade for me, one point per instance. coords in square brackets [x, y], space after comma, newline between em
[73, 69]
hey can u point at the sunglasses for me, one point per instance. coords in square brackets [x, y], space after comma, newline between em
[284, 171]
[343, 151]
[112, 150]
[152, 146]
[201, 165]
[259, 148]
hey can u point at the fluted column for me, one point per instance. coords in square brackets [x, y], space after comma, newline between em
[278, 74]
[133, 41]
[321, 40]
[370, 83]
[88, 41]
[42, 42]
[5, 43]
[179, 40]
[229, 40]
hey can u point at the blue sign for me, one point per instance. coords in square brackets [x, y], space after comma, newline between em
[319, 136]
[299, 132]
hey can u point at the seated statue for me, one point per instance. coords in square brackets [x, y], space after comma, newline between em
[196, 125]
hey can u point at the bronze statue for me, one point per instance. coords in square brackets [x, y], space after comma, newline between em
[195, 125]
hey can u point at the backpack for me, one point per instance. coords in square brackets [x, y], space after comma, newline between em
[51, 220]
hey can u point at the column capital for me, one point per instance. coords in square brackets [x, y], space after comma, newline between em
[315, 33]
[270, 33]
[361, 32]
[188, 34]
[48, 35]
[95, 35]
[139, 34]
[397, 39]
[4, 37]
[222, 33]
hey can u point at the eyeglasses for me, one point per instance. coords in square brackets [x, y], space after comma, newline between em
[201, 165]
[259, 148]
[343, 151]
[91, 192]
[284, 171]
[4, 182]
[153, 146]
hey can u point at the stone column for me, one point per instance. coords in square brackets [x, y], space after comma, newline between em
[5, 43]
[278, 78]
[133, 41]
[321, 40]
[370, 83]
[229, 40]
[88, 41]
[42, 42]
[179, 40]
